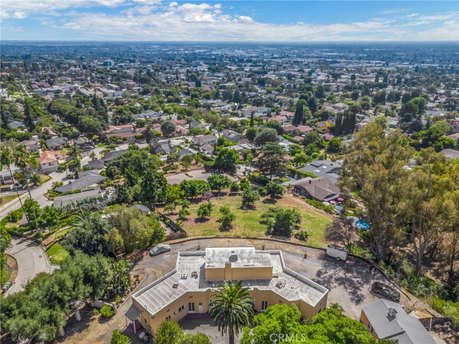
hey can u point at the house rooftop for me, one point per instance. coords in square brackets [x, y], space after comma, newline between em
[189, 276]
[238, 256]
[389, 320]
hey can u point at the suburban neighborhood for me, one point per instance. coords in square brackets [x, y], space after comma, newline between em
[144, 187]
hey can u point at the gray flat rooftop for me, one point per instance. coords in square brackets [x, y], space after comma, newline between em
[189, 276]
[238, 256]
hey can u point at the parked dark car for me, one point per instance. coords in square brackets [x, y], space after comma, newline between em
[383, 290]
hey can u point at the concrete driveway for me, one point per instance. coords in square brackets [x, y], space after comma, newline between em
[349, 284]
[31, 260]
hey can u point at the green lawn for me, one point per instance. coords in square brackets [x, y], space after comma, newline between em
[57, 253]
[248, 224]
[7, 198]
[44, 178]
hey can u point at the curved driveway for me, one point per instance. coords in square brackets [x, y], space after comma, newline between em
[349, 283]
[31, 260]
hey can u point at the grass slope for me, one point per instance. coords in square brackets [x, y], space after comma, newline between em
[247, 223]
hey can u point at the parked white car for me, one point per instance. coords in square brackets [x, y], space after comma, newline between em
[160, 248]
[337, 252]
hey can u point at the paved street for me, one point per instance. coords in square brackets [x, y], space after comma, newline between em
[31, 260]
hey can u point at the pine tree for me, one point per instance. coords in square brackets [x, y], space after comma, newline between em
[299, 113]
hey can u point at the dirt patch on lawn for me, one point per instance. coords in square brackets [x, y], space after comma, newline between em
[12, 266]
[295, 202]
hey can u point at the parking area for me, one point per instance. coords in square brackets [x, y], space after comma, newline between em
[349, 282]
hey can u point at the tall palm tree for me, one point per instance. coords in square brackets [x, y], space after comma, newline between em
[232, 308]
[28, 165]
[7, 158]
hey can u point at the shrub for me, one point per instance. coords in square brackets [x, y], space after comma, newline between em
[205, 210]
[227, 218]
[320, 205]
[249, 197]
[447, 308]
[95, 312]
[281, 221]
[302, 235]
[107, 311]
[119, 338]
[234, 187]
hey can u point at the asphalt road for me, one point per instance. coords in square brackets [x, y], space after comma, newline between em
[31, 260]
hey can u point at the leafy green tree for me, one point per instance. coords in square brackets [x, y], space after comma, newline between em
[132, 165]
[231, 308]
[169, 332]
[249, 197]
[335, 145]
[194, 188]
[119, 338]
[218, 182]
[195, 338]
[37, 313]
[119, 281]
[277, 319]
[426, 205]
[153, 188]
[300, 159]
[251, 133]
[328, 326]
[74, 166]
[205, 210]
[266, 135]
[282, 221]
[168, 128]
[313, 137]
[332, 325]
[183, 214]
[271, 161]
[226, 160]
[89, 125]
[234, 187]
[227, 218]
[274, 189]
[148, 133]
[49, 217]
[88, 234]
[299, 112]
[32, 210]
[375, 168]
[138, 231]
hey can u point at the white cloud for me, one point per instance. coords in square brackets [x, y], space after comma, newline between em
[21, 9]
[147, 2]
[149, 20]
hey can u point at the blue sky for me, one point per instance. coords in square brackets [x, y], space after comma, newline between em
[272, 20]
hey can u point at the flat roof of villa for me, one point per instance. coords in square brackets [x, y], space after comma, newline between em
[238, 256]
[189, 276]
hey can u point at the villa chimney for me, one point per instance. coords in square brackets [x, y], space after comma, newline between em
[391, 314]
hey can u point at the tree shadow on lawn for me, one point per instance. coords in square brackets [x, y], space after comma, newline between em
[201, 220]
[270, 200]
[73, 326]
